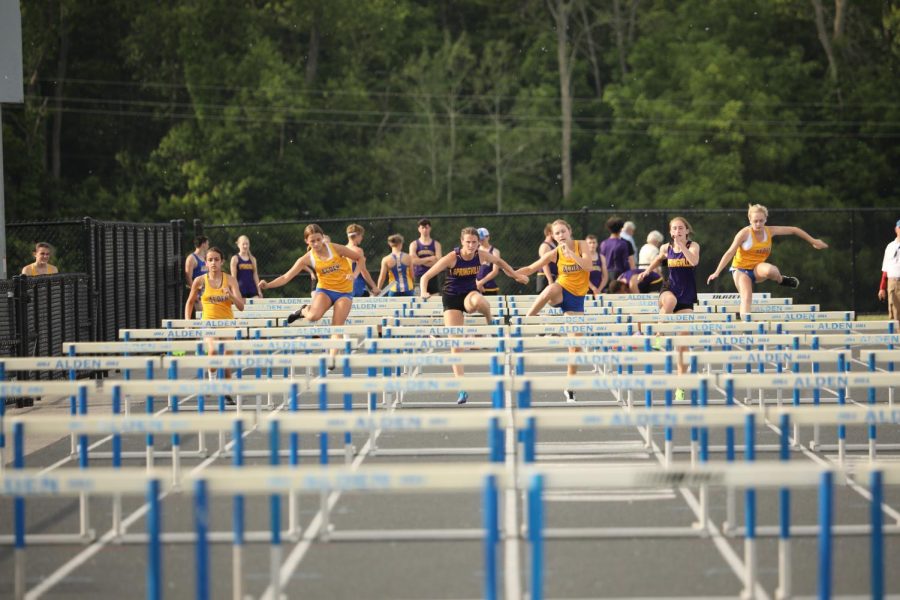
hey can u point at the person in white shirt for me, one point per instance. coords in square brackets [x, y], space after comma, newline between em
[650, 249]
[627, 234]
[890, 276]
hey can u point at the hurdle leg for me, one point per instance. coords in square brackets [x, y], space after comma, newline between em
[19, 513]
[117, 514]
[325, 530]
[20, 573]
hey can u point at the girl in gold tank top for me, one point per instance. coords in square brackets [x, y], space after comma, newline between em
[750, 250]
[218, 292]
[574, 263]
[335, 279]
[41, 264]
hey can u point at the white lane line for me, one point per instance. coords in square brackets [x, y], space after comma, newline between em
[512, 569]
[720, 542]
[311, 532]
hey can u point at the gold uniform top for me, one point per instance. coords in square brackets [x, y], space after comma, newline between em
[216, 301]
[754, 254]
[334, 273]
[33, 268]
[572, 277]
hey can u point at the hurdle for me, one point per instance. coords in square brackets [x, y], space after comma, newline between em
[428, 478]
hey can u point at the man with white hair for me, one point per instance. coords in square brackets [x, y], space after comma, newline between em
[650, 249]
[628, 230]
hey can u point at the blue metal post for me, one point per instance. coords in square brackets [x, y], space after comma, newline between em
[536, 535]
[201, 526]
[154, 547]
[877, 538]
[491, 536]
[826, 508]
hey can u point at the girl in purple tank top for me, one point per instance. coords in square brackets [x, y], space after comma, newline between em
[679, 293]
[243, 269]
[460, 293]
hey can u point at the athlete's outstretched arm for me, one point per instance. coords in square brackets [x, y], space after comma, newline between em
[729, 254]
[299, 265]
[814, 242]
[488, 257]
[545, 258]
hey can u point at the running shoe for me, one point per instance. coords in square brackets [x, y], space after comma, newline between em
[679, 395]
[298, 314]
[462, 398]
[659, 343]
[230, 401]
[570, 396]
[791, 282]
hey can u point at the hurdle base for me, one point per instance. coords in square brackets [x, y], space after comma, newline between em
[575, 533]
[51, 539]
[813, 530]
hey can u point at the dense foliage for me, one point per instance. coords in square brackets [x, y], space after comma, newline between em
[250, 110]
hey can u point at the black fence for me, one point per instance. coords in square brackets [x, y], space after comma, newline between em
[43, 312]
[845, 276]
[132, 273]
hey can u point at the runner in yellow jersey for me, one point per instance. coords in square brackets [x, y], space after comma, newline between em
[218, 293]
[41, 264]
[573, 265]
[333, 274]
[750, 252]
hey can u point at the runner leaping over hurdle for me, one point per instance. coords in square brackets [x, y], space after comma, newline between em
[460, 293]
[574, 263]
[331, 263]
[750, 249]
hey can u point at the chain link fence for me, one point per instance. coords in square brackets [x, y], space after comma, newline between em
[845, 276]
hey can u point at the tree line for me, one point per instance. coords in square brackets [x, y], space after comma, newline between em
[265, 110]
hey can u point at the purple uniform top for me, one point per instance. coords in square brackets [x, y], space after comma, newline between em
[554, 270]
[596, 276]
[422, 250]
[461, 276]
[616, 251]
[681, 277]
[245, 277]
[485, 271]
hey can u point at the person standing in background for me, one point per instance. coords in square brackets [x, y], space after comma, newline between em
[890, 276]
[485, 281]
[424, 252]
[618, 252]
[628, 230]
[649, 250]
[598, 274]
[41, 264]
[361, 275]
[547, 275]
[244, 271]
[396, 270]
[195, 264]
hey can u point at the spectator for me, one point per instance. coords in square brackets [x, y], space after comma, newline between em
[628, 230]
[425, 252]
[244, 271]
[41, 265]
[650, 249]
[890, 276]
[618, 252]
